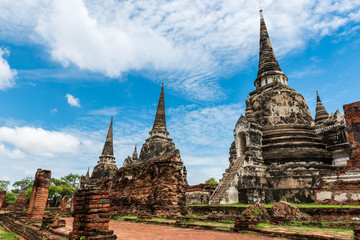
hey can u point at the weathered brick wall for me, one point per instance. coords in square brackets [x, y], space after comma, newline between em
[199, 194]
[352, 116]
[156, 188]
[196, 188]
[2, 198]
[326, 214]
[39, 196]
[91, 214]
[339, 192]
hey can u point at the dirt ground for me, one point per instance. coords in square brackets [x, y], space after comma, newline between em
[141, 231]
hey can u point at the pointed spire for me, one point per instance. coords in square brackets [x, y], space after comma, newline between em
[108, 146]
[268, 64]
[135, 154]
[88, 173]
[159, 127]
[321, 113]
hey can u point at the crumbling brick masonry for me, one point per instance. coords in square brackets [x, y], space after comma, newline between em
[91, 214]
[39, 196]
[352, 116]
[2, 197]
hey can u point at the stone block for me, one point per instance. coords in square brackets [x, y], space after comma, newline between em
[355, 196]
[341, 197]
[322, 196]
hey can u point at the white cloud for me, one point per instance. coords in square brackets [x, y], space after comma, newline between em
[54, 110]
[11, 154]
[72, 101]
[7, 75]
[38, 141]
[189, 43]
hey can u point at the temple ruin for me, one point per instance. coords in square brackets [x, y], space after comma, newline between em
[153, 183]
[106, 166]
[279, 151]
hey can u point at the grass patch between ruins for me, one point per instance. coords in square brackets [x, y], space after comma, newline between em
[7, 235]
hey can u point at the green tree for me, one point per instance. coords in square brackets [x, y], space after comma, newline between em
[72, 179]
[59, 188]
[28, 193]
[18, 185]
[3, 184]
[10, 198]
[211, 181]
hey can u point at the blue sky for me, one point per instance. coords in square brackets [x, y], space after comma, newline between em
[67, 66]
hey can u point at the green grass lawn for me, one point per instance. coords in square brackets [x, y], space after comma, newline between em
[6, 235]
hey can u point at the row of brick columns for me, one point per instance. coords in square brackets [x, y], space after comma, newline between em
[39, 196]
[91, 208]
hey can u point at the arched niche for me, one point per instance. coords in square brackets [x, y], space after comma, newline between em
[241, 144]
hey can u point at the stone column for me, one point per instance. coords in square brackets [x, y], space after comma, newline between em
[91, 214]
[39, 196]
[2, 197]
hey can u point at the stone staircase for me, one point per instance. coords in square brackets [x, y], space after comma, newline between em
[229, 175]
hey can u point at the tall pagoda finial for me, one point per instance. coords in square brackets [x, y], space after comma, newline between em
[135, 154]
[159, 127]
[317, 97]
[106, 165]
[321, 113]
[269, 69]
[108, 149]
[88, 173]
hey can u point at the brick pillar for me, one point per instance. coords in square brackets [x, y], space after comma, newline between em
[352, 117]
[39, 196]
[20, 203]
[91, 214]
[63, 204]
[2, 197]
